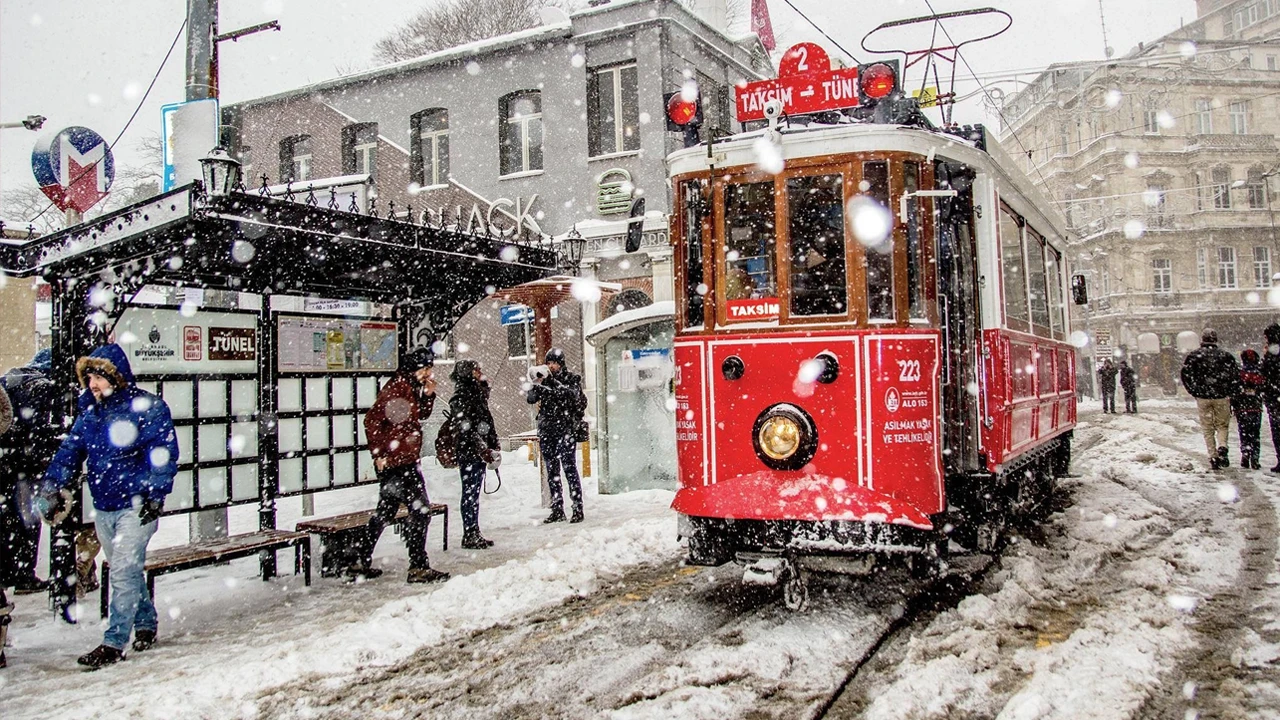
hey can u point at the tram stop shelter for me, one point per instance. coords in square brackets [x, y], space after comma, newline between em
[429, 274]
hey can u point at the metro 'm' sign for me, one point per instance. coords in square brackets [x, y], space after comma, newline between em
[805, 84]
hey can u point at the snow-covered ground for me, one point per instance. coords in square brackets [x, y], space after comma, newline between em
[1154, 593]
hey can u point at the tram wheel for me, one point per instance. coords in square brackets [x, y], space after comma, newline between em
[795, 592]
[710, 543]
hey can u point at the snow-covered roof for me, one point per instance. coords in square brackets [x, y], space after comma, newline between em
[621, 322]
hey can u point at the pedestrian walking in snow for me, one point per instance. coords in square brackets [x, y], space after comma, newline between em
[1212, 376]
[1247, 406]
[1107, 384]
[124, 436]
[476, 444]
[562, 404]
[393, 427]
[1271, 391]
[25, 450]
[1129, 383]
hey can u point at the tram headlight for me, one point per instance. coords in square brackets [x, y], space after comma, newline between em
[784, 437]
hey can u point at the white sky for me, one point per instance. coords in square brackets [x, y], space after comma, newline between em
[87, 62]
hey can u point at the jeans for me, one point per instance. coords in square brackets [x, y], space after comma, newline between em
[566, 458]
[1250, 426]
[20, 530]
[125, 542]
[1108, 400]
[472, 482]
[1130, 401]
[401, 485]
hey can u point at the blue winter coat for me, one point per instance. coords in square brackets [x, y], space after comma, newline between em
[126, 440]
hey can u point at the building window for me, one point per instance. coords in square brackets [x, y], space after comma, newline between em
[1257, 190]
[1197, 184]
[715, 104]
[1252, 12]
[613, 110]
[1226, 267]
[1150, 120]
[360, 148]
[1271, 62]
[1154, 198]
[1204, 116]
[1262, 267]
[429, 146]
[520, 132]
[1162, 275]
[295, 158]
[1220, 189]
[1238, 113]
[1202, 268]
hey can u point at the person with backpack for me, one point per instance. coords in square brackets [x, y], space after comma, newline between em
[1247, 406]
[562, 404]
[25, 451]
[1212, 376]
[475, 444]
[393, 427]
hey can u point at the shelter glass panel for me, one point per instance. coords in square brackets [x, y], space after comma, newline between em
[750, 242]
[343, 393]
[290, 435]
[344, 430]
[213, 398]
[875, 185]
[183, 434]
[317, 471]
[317, 393]
[290, 475]
[244, 398]
[244, 439]
[213, 442]
[289, 395]
[182, 496]
[318, 433]
[366, 391]
[178, 395]
[344, 468]
[815, 232]
[213, 486]
[244, 482]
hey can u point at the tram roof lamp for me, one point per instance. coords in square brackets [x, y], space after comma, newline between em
[221, 172]
[877, 80]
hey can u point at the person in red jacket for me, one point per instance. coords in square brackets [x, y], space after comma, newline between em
[1247, 406]
[393, 427]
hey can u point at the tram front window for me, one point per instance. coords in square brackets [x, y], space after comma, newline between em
[875, 184]
[750, 232]
[815, 227]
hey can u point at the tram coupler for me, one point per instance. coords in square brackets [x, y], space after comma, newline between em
[768, 569]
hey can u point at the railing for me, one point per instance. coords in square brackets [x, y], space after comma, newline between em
[1227, 141]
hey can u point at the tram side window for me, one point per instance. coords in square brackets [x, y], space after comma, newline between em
[750, 241]
[1057, 310]
[875, 184]
[915, 249]
[1015, 281]
[695, 284]
[1033, 246]
[815, 228]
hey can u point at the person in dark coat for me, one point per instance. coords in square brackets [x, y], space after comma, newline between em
[393, 427]
[124, 437]
[1107, 384]
[562, 403]
[1129, 383]
[477, 447]
[25, 451]
[1247, 406]
[1270, 370]
[1212, 376]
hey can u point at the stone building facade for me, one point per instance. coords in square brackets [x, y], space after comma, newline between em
[1163, 162]
[557, 127]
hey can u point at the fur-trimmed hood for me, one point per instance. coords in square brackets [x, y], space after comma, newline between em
[109, 361]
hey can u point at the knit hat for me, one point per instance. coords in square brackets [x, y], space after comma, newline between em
[1209, 337]
[43, 359]
[417, 359]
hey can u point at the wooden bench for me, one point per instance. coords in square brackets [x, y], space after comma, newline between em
[211, 552]
[340, 532]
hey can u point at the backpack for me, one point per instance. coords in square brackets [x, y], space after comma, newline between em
[581, 433]
[447, 443]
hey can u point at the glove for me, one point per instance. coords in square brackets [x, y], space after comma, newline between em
[494, 460]
[52, 507]
[150, 511]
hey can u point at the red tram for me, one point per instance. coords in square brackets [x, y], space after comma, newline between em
[871, 339]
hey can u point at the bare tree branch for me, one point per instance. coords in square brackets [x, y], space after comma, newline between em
[450, 23]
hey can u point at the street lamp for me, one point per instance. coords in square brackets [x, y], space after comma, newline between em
[221, 172]
[572, 247]
[31, 122]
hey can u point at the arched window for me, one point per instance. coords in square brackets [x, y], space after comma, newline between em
[629, 299]
[520, 132]
[295, 158]
[429, 146]
[360, 148]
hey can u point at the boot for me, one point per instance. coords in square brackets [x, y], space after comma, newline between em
[557, 515]
[1223, 461]
[476, 541]
[100, 656]
[29, 585]
[143, 639]
[577, 516]
[362, 572]
[426, 575]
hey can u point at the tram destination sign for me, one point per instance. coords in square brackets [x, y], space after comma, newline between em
[806, 83]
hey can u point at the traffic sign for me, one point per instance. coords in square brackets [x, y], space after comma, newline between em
[515, 314]
[805, 84]
[74, 168]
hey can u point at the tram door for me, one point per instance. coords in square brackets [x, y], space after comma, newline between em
[958, 313]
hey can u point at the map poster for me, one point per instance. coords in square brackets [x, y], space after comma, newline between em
[309, 343]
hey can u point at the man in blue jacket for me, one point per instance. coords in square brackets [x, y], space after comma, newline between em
[125, 438]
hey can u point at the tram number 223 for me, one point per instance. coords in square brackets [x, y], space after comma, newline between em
[909, 370]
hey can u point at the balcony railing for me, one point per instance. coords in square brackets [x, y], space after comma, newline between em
[1232, 142]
